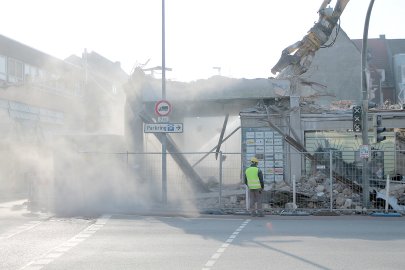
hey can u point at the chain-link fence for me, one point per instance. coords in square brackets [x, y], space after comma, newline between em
[201, 181]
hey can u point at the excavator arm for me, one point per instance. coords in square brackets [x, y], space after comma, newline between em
[297, 58]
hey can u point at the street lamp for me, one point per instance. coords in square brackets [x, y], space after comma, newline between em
[364, 87]
[164, 138]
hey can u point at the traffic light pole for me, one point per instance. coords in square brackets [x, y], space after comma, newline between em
[364, 84]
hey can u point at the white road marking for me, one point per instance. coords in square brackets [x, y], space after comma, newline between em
[62, 249]
[70, 244]
[223, 247]
[210, 263]
[54, 255]
[216, 256]
[20, 229]
[58, 251]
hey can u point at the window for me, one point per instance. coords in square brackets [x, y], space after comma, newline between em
[15, 70]
[402, 76]
[30, 73]
[3, 68]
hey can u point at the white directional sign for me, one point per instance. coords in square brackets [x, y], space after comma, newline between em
[163, 128]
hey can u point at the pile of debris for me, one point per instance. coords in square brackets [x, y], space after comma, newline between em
[309, 105]
[313, 192]
[388, 106]
[319, 188]
[396, 197]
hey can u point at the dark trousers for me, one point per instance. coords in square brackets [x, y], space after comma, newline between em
[255, 199]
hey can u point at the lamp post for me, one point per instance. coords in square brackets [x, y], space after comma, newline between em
[364, 87]
[164, 138]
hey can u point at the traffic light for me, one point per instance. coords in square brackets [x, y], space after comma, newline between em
[378, 128]
[357, 118]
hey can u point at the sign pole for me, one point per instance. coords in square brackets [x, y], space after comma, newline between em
[164, 139]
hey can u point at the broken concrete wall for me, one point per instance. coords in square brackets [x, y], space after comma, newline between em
[338, 68]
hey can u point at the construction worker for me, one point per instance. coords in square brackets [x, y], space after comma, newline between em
[254, 181]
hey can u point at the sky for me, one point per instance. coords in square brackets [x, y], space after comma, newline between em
[242, 37]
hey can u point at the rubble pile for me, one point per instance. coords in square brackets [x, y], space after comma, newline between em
[388, 106]
[309, 105]
[341, 105]
[312, 192]
[317, 191]
[397, 190]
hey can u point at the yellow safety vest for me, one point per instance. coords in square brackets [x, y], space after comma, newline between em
[252, 176]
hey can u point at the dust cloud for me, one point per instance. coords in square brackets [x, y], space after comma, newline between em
[64, 157]
[88, 155]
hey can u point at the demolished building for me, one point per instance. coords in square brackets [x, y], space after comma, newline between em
[279, 118]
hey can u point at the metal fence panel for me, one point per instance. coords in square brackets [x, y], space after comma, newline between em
[198, 181]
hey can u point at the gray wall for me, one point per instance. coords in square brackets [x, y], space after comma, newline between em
[338, 68]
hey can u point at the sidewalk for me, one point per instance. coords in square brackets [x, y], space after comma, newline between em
[14, 205]
[8, 197]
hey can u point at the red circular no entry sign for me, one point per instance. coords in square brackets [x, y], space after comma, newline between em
[163, 108]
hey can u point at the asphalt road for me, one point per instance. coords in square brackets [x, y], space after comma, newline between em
[41, 241]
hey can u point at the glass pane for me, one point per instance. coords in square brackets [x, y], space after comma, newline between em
[27, 70]
[403, 74]
[19, 70]
[11, 67]
[2, 64]
[3, 69]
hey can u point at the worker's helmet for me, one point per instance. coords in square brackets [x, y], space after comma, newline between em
[254, 160]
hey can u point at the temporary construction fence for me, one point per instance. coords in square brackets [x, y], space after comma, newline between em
[330, 180]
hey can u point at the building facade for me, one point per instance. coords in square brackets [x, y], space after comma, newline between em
[43, 98]
[386, 58]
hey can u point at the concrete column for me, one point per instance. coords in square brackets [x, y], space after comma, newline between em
[295, 123]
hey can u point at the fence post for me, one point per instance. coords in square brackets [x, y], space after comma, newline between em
[387, 193]
[331, 179]
[220, 180]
